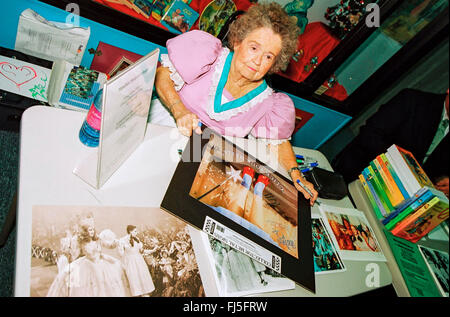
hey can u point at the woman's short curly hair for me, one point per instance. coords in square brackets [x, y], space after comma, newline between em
[273, 16]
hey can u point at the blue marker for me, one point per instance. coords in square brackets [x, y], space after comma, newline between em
[306, 170]
[299, 156]
[310, 165]
[199, 124]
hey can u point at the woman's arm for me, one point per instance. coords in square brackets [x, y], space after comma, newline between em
[186, 120]
[286, 157]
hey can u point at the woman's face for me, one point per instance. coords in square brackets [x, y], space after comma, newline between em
[91, 231]
[255, 55]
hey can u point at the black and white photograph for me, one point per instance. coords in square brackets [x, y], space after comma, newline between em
[81, 251]
[437, 262]
[237, 274]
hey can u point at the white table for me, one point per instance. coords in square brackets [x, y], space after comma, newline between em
[49, 151]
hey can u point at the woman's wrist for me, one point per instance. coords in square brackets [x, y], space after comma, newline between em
[174, 103]
[178, 109]
[295, 173]
[292, 169]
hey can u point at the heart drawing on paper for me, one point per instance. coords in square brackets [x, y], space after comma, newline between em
[18, 75]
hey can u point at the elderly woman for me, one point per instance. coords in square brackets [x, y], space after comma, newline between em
[224, 88]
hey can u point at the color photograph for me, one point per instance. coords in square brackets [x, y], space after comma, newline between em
[82, 251]
[229, 194]
[326, 256]
[80, 82]
[247, 193]
[352, 233]
[215, 15]
[145, 6]
[180, 17]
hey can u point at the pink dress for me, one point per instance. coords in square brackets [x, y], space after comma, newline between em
[196, 60]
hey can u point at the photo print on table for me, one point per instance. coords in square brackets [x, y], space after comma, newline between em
[326, 255]
[230, 194]
[237, 274]
[92, 251]
[249, 194]
[352, 233]
[437, 262]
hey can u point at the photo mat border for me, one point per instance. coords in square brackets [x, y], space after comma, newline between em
[178, 202]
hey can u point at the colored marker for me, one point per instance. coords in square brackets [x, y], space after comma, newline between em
[306, 189]
[306, 170]
[305, 160]
[310, 165]
[199, 125]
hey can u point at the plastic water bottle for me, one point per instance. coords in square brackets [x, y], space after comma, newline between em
[90, 129]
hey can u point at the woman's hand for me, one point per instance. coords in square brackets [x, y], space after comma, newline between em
[295, 175]
[165, 87]
[188, 122]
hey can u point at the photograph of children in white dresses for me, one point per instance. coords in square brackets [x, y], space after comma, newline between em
[81, 251]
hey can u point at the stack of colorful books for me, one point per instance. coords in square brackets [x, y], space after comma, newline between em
[402, 195]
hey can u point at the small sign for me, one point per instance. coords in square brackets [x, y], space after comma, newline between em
[125, 108]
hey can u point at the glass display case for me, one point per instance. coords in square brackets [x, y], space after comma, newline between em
[349, 50]
[397, 30]
[353, 63]
[342, 63]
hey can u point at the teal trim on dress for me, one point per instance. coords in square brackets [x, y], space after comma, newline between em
[218, 106]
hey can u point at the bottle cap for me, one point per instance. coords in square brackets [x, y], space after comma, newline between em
[249, 171]
[263, 179]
